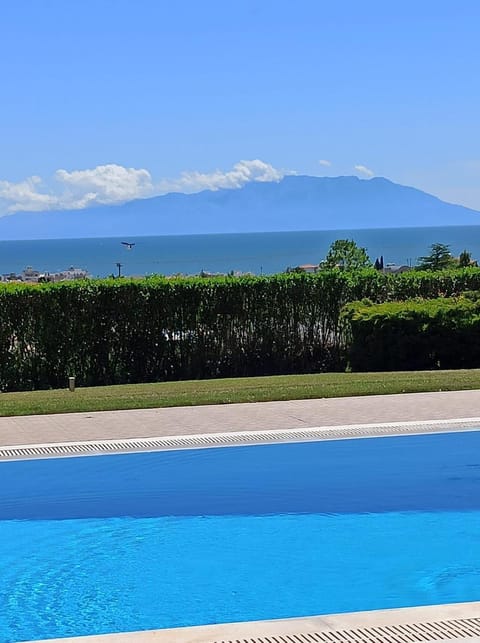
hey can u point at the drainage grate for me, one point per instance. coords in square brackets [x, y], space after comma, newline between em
[60, 449]
[409, 633]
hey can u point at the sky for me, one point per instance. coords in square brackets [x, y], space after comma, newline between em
[103, 101]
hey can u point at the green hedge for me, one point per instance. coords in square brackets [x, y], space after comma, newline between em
[119, 331]
[122, 331]
[413, 335]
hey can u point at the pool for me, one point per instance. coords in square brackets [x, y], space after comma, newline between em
[98, 544]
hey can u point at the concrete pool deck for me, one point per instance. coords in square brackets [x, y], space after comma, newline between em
[458, 622]
[260, 416]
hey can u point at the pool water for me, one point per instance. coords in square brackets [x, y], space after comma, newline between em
[143, 541]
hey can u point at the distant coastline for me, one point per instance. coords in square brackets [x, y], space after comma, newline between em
[257, 253]
[30, 275]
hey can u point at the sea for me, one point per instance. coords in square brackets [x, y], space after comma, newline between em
[257, 253]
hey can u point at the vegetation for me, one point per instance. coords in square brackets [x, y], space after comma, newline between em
[125, 331]
[440, 258]
[344, 254]
[417, 334]
[226, 391]
[130, 331]
[378, 265]
[465, 260]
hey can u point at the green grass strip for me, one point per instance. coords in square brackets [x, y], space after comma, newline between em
[230, 391]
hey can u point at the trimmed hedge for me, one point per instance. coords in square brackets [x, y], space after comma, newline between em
[414, 335]
[125, 331]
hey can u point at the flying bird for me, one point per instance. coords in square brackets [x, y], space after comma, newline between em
[127, 244]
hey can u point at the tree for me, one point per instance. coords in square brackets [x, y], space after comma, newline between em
[465, 259]
[439, 258]
[378, 265]
[344, 254]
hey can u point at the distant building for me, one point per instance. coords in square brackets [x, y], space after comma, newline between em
[29, 275]
[10, 276]
[395, 269]
[308, 267]
[32, 276]
[73, 273]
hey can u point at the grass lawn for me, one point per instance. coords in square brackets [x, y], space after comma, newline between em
[228, 391]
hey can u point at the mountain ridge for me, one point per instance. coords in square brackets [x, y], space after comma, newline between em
[297, 202]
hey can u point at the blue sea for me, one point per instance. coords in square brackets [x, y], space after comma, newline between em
[259, 253]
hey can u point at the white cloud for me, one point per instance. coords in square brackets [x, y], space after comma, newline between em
[109, 184]
[365, 171]
[242, 172]
[25, 195]
[104, 184]
[324, 162]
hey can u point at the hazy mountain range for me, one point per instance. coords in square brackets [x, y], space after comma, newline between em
[294, 203]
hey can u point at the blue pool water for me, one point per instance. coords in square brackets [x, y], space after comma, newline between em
[143, 541]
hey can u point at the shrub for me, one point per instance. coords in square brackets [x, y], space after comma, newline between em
[413, 335]
[116, 331]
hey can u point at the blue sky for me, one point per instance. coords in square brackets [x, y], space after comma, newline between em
[106, 100]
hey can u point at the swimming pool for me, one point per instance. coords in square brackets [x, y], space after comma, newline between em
[150, 540]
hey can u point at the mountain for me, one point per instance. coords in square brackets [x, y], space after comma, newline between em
[294, 203]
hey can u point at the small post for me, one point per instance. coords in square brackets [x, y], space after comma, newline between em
[71, 384]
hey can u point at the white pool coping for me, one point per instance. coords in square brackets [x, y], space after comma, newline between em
[235, 438]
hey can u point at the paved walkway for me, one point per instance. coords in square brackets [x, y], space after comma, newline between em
[105, 425]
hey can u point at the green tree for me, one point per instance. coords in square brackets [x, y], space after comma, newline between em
[440, 258]
[465, 259]
[346, 255]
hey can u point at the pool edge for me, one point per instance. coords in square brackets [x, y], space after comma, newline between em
[452, 622]
[235, 438]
